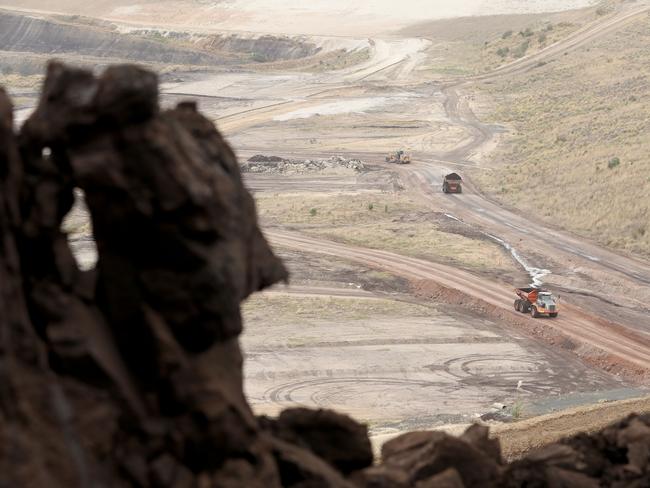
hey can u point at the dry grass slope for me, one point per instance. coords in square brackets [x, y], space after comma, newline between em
[390, 222]
[579, 152]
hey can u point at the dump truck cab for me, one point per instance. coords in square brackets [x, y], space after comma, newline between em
[452, 183]
[537, 302]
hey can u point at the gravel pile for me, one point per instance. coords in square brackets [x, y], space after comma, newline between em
[277, 165]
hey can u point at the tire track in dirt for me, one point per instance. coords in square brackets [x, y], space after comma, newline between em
[607, 338]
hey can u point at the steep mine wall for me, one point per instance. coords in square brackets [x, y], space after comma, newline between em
[81, 37]
[27, 34]
[130, 374]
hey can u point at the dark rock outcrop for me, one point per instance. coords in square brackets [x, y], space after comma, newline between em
[131, 374]
[336, 438]
[139, 358]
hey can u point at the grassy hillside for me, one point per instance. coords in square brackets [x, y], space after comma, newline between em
[578, 154]
[474, 45]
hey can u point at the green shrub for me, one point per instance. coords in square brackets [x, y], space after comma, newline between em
[506, 34]
[526, 33]
[371, 206]
[313, 212]
[613, 163]
[503, 52]
[517, 410]
[520, 52]
[542, 38]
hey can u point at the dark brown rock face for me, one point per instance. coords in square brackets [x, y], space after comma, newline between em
[336, 438]
[131, 374]
[136, 365]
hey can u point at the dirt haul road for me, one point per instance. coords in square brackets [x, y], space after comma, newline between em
[605, 338]
[617, 283]
[630, 275]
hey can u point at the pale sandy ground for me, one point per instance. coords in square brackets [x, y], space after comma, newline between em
[321, 17]
[397, 366]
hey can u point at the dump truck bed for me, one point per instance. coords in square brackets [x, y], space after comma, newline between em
[529, 294]
[453, 177]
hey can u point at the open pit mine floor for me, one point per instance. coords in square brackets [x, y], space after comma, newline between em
[399, 365]
[448, 346]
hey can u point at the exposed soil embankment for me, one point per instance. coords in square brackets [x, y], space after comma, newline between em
[131, 374]
[26, 34]
[540, 329]
[264, 48]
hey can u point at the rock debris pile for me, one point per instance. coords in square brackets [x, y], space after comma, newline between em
[130, 374]
[275, 164]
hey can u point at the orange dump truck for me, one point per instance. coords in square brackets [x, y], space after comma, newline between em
[536, 301]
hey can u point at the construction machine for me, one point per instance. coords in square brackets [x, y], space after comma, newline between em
[452, 183]
[536, 301]
[398, 157]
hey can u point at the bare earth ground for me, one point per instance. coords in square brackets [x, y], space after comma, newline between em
[395, 365]
[402, 314]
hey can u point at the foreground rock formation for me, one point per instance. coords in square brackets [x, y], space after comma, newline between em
[131, 374]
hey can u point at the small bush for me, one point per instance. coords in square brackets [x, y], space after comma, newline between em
[613, 163]
[517, 410]
[548, 28]
[526, 33]
[503, 52]
[386, 208]
[371, 206]
[520, 52]
[506, 34]
[313, 212]
[542, 38]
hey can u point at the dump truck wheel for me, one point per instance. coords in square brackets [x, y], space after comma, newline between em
[553, 314]
[534, 312]
[517, 305]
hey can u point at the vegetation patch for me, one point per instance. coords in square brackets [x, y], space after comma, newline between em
[578, 153]
[384, 221]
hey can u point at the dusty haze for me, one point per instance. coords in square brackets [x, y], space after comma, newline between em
[331, 17]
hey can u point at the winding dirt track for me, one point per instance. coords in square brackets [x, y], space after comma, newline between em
[631, 346]
[571, 322]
